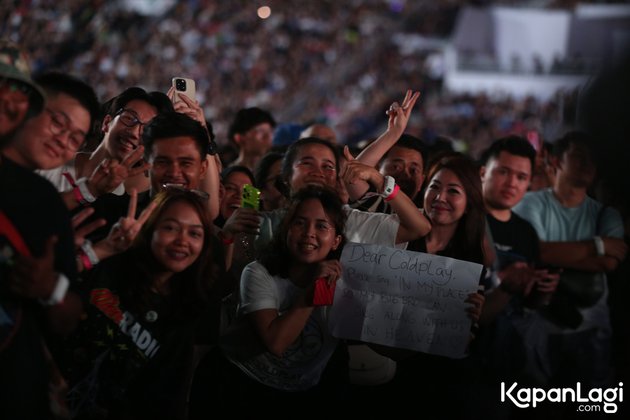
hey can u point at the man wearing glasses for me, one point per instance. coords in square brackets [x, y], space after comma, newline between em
[116, 156]
[37, 260]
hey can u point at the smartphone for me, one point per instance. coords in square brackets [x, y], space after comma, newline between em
[250, 199]
[185, 86]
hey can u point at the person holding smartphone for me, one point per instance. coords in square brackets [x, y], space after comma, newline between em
[519, 285]
[506, 173]
[281, 344]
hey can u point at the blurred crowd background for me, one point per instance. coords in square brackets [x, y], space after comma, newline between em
[336, 62]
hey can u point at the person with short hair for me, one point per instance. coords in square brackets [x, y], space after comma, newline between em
[113, 166]
[321, 131]
[576, 232]
[175, 145]
[519, 286]
[37, 263]
[252, 131]
[405, 162]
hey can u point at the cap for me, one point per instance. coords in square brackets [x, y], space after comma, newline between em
[14, 65]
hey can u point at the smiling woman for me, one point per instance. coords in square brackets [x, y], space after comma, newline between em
[279, 313]
[144, 307]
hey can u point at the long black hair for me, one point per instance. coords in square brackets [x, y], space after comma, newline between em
[191, 288]
[467, 242]
[277, 255]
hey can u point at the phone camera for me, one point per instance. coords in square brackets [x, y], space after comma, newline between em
[180, 84]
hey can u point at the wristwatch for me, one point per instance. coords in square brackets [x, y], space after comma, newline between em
[212, 148]
[389, 183]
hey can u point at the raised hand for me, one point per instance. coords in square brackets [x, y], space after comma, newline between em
[188, 106]
[80, 232]
[354, 171]
[110, 173]
[399, 114]
[126, 229]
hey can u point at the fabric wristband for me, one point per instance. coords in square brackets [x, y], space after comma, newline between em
[599, 245]
[59, 293]
[90, 253]
[85, 192]
[85, 260]
[224, 240]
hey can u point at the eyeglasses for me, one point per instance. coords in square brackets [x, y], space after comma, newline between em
[129, 118]
[60, 124]
[177, 187]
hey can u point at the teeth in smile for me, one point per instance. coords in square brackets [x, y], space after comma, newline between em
[175, 254]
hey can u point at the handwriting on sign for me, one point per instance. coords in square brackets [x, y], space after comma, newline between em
[404, 299]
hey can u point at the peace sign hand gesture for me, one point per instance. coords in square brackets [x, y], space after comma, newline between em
[399, 114]
[110, 173]
[123, 233]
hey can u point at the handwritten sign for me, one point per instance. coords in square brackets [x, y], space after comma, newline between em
[404, 299]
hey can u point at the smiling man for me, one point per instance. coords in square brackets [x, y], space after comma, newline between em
[126, 115]
[175, 146]
[37, 261]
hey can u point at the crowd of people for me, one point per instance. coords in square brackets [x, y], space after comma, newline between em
[329, 47]
[143, 276]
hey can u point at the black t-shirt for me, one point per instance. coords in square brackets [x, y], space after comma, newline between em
[123, 361]
[31, 211]
[35, 209]
[514, 240]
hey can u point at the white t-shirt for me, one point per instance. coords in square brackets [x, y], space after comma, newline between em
[55, 176]
[302, 364]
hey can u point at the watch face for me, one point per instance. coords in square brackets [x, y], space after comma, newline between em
[388, 185]
[212, 148]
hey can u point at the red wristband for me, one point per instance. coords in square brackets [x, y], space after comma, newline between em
[393, 194]
[226, 241]
[85, 260]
